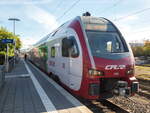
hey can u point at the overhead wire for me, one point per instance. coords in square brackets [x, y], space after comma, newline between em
[58, 6]
[114, 5]
[140, 31]
[141, 22]
[74, 4]
[135, 13]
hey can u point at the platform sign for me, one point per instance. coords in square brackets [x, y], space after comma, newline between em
[6, 41]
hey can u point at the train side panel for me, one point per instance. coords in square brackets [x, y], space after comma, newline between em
[68, 69]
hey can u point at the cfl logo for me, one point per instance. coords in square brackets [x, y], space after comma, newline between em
[109, 67]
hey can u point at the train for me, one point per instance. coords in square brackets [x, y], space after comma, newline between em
[89, 57]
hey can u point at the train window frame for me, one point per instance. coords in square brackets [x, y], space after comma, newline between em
[64, 53]
[75, 45]
[53, 52]
[68, 50]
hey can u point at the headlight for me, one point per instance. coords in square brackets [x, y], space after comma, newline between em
[130, 72]
[95, 72]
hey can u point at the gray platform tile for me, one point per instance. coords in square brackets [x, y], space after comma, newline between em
[18, 69]
[18, 109]
[19, 96]
[3, 95]
[19, 112]
[28, 103]
[59, 101]
[7, 112]
[9, 102]
[37, 103]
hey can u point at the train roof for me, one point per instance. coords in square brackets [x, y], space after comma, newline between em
[89, 22]
[42, 41]
[98, 23]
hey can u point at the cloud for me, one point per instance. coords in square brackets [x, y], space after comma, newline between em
[139, 34]
[131, 18]
[44, 18]
[40, 21]
[126, 18]
[28, 41]
[131, 29]
[27, 2]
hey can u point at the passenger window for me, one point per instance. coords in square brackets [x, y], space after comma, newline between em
[65, 52]
[53, 51]
[74, 50]
[70, 47]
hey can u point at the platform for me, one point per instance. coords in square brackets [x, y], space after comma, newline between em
[28, 90]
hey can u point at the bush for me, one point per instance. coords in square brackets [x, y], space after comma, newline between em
[142, 50]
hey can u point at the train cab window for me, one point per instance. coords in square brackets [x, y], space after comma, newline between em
[105, 43]
[53, 51]
[70, 47]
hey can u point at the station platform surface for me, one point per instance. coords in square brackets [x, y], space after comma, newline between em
[28, 90]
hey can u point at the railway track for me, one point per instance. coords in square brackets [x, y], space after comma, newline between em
[144, 93]
[114, 107]
[144, 88]
[103, 106]
[144, 82]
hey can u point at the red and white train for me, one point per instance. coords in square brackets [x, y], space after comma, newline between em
[90, 58]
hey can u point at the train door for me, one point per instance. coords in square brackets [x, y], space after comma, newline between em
[64, 62]
[75, 64]
[71, 62]
[52, 60]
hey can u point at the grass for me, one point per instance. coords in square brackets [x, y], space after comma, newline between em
[142, 72]
[147, 65]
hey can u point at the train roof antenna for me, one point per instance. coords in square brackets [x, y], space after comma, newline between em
[86, 14]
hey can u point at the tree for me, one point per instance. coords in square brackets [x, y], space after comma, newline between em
[138, 51]
[146, 48]
[5, 34]
[142, 50]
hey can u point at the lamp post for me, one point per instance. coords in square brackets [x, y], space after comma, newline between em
[14, 22]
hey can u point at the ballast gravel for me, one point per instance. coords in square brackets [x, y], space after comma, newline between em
[135, 104]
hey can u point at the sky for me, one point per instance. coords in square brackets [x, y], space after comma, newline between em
[40, 17]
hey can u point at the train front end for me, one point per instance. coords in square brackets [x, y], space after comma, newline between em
[112, 63]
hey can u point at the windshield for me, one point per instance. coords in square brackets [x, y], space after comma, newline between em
[104, 43]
